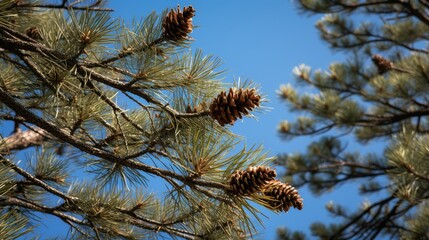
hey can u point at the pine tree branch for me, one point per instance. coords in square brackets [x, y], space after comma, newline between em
[17, 41]
[24, 43]
[90, 7]
[181, 115]
[375, 120]
[379, 39]
[358, 92]
[155, 225]
[122, 86]
[23, 139]
[66, 137]
[411, 170]
[344, 7]
[357, 218]
[135, 220]
[184, 217]
[335, 172]
[315, 131]
[415, 11]
[222, 226]
[9, 117]
[75, 227]
[13, 201]
[38, 73]
[35, 180]
[15, 62]
[337, 164]
[97, 235]
[127, 53]
[115, 107]
[376, 228]
[368, 36]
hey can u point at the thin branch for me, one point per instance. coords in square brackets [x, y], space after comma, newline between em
[97, 234]
[114, 106]
[22, 140]
[359, 216]
[159, 226]
[320, 130]
[35, 180]
[126, 53]
[24, 43]
[412, 171]
[39, 73]
[12, 201]
[8, 201]
[84, 71]
[92, 7]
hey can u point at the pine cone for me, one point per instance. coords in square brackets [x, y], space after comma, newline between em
[177, 24]
[383, 65]
[226, 108]
[283, 196]
[251, 180]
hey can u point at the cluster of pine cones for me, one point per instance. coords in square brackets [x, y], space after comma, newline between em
[260, 180]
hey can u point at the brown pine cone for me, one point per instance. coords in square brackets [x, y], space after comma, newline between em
[177, 24]
[282, 196]
[383, 65]
[251, 180]
[226, 108]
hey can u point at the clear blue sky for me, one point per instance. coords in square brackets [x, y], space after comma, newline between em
[262, 41]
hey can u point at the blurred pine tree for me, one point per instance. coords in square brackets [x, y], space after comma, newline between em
[379, 94]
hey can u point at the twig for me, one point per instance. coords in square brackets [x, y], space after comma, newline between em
[91, 7]
[22, 139]
[35, 180]
[12, 201]
[158, 225]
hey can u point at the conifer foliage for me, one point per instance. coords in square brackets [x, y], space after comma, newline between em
[123, 126]
[379, 96]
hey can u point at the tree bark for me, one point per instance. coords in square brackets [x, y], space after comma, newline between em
[22, 139]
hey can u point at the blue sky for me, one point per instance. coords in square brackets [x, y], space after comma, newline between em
[262, 41]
